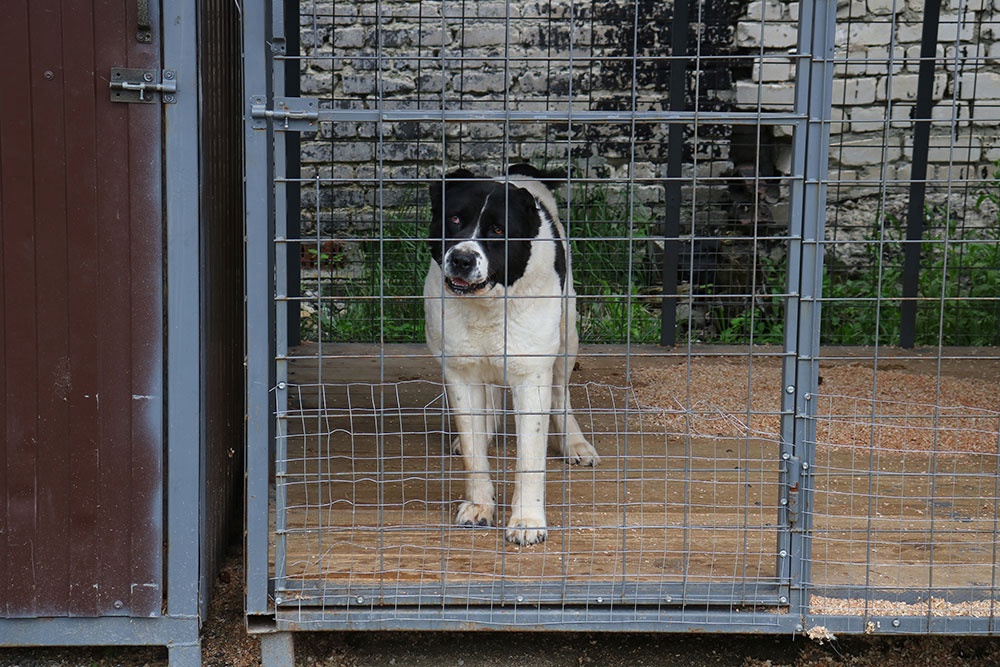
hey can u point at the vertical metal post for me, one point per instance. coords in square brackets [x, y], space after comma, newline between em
[918, 175]
[185, 437]
[293, 172]
[280, 254]
[810, 158]
[675, 163]
[259, 207]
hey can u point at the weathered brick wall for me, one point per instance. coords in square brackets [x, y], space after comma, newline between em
[550, 56]
[874, 94]
[556, 55]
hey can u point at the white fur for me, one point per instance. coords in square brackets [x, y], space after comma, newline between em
[523, 337]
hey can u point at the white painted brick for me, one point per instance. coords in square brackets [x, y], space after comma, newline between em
[854, 91]
[783, 158]
[946, 148]
[793, 11]
[909, 33]
[972, 5]
[838, 121]
[878, 60]
[768, 10]
[979, 86]
[867, 118]
[883, 7]
[772, 95]
[986, 112]
[904, 87]
[348, 38]
[771, 35]
[854, 9]
[865, 151]
[435, 36]
[857, 61]
[992, 154]
[913, 56]
[773, 68]
[843, 175]
[965, 56]
[782, 131]
[476, 36]
[870, 34]
[955, 112]
[961, 27]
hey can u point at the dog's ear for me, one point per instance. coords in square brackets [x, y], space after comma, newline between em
[522, 204]
[460, 173]
[551, 179]
[435, 187]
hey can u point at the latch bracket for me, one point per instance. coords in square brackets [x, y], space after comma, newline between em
[140, 85]
[294, 114]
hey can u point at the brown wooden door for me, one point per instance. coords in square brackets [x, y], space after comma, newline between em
[81, 326]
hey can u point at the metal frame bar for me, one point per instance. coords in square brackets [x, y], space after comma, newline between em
[258, 207]
[810, 160]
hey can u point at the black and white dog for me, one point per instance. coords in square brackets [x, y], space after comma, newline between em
[501, 312]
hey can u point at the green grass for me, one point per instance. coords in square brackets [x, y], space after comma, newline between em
[617, 284]
[958, 285]
[383, 302]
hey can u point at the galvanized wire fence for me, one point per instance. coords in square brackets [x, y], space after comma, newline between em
[735, 181]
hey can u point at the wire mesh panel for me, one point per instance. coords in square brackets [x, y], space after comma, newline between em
[904, 517]
[678, 215]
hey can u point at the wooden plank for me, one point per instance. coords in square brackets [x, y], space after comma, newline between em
[19, 360]
[144, 263]
[81, 283]
[83, 307]
[55, 367]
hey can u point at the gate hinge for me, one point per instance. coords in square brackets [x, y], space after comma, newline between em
[139, 85]
[295, 114]
[792, 473]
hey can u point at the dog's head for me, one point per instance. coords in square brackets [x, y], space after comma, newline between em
[481, 231]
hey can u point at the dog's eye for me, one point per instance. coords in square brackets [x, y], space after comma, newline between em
[454, 220]
[496, 230]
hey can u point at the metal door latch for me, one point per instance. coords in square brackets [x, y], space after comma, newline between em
[139, 85]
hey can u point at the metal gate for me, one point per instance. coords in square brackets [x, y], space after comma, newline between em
[694, 197]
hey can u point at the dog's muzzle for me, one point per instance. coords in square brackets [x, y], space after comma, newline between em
[465, 269]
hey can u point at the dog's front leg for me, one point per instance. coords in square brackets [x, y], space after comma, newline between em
[532, 401]
[469, 403]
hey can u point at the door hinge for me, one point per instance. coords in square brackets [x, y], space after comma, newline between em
[792, 473]
[295, 114]
[140, 85]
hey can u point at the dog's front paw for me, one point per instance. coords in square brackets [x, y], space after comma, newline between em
[581, 453]
[472, 514]
[526, 530]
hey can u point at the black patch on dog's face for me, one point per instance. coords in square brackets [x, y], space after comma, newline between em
[500, 217]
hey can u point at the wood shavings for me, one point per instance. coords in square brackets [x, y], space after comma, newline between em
[907, 411]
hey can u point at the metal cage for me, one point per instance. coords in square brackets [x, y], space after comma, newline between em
[726, 172]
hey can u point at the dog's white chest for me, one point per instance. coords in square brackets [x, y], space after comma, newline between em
[493, 334]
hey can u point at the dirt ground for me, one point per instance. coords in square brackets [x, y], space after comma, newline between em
[225, 644]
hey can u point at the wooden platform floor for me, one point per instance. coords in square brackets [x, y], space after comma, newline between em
[370, 489]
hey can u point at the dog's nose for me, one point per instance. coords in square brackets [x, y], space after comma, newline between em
[462, 262]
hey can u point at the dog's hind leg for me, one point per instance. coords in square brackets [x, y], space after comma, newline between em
[565, 429]
[474, 424]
